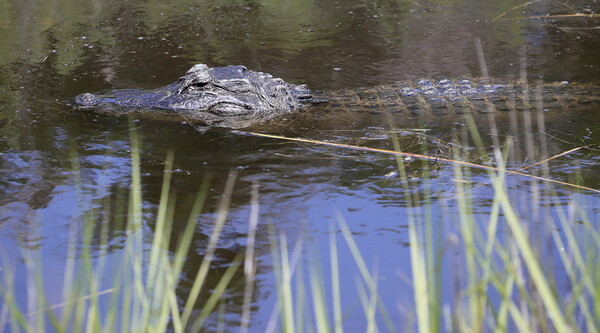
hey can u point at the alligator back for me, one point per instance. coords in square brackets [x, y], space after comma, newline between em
[448, 97]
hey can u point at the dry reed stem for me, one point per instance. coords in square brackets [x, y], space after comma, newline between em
[515, 8]
[543, 16]
[63, 304]
[538, 17]
[419, 156]
[553, 157]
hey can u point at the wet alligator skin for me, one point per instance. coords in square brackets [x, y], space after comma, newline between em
[442, 97]
[236, 97]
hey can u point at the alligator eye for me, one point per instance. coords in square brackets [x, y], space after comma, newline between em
[199, 84]
[194, 87]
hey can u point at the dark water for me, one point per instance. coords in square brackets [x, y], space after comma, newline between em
[52, 51]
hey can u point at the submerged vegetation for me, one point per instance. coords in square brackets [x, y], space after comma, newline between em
[530, 264]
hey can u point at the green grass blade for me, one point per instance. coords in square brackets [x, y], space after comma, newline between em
[531, 262]
[336, 297]
[250, 260]
[210, 250]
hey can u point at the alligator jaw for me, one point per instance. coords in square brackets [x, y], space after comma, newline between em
[211, 103]
[136, 101]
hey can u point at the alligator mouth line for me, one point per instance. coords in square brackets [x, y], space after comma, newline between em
[230, 108]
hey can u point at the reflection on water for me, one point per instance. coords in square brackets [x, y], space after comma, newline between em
[58, 164]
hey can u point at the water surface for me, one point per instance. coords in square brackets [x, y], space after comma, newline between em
[52, 51]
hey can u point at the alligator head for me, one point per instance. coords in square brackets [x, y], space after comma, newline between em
[231, 96]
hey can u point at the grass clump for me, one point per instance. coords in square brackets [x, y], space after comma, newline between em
[133, 289]
[504, 278]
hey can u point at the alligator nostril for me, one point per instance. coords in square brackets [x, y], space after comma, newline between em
[87, 99]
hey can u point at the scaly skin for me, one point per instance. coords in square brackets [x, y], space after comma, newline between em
[465, 96]
[236, 97]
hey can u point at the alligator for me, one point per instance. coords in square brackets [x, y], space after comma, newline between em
[237, 97]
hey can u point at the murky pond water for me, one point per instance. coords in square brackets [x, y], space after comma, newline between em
[58, 163]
